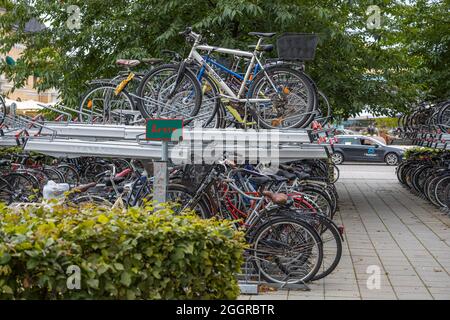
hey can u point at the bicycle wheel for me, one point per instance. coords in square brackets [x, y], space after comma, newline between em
[286, 250]
[94, 170]
[321, 203]
[166, 94]
[292, 103]
[53, 174]
[334, 177]
[70, 174]
[324, 106]
[420, 176]
[331, 241]
[179, 197]
[6, 192]
[447, 196]
[23, 187]
[84, 201]
[320, 197]
[38, 176]
[101, 105]
[209, 115]
[440, 191]
[431, 190]
[444, 117]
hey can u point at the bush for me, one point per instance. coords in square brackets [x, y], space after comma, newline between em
[419, 152]
[121, 254]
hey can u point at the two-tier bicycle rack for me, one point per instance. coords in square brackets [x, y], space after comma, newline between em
[70, 139]
[429, 137]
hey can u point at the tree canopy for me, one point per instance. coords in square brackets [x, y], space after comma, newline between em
[388, 68]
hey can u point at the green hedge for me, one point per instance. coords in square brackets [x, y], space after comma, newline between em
[121, 255]
[417, 152]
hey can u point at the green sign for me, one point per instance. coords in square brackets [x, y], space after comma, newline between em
[164, 129]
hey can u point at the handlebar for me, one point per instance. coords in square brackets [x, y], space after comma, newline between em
[188, 33]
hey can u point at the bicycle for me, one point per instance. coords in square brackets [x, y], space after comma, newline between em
[106, 100]
[237, 194]
[273, 88]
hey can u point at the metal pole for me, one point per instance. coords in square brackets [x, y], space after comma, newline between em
[161, 175]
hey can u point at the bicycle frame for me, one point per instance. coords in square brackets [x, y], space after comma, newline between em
[223, 68]
[194, 55]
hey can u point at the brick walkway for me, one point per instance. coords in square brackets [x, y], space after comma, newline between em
[390, 229]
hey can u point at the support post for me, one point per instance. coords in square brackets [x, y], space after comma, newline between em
[161, 175]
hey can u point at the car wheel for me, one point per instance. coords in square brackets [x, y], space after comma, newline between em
[391, 159]
[337, 158]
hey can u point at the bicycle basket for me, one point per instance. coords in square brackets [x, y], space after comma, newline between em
[297, 46]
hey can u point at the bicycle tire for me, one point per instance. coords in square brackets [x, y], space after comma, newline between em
[444, 117]
[439, 190]
[157, 100]
[6, 192]
[179, 196]
[53, 174]
[447, 196]
[22, 185]
[70, 174]
[324, 225]
[259, 82]
[268, 227]
[105, 115]
[92, 199]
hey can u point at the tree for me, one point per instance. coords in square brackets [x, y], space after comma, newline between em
[354, 66]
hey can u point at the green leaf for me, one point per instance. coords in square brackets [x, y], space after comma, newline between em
[125, 278]
[93, 283]
[118, 266]
[131, 295]
[156, 274]
[5, 257]
[103, 219]
[32, 263]
[6, 289]
[178, 255]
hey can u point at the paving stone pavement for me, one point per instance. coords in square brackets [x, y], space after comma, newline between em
[387, 229]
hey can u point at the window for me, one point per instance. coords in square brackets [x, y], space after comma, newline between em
[349, 141]
[368, 142]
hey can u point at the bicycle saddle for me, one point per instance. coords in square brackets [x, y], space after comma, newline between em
[277, 198]
[278, 179]
[260, 180]
[127, 63]
[264, 47]
[85, 187]
[286, 174]
[302, 175]
[262, 34]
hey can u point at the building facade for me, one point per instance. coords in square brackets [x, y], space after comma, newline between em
[27, 92]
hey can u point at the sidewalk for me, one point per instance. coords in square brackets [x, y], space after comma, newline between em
[387, 229]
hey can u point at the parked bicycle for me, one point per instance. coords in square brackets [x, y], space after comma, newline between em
[278, 96]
